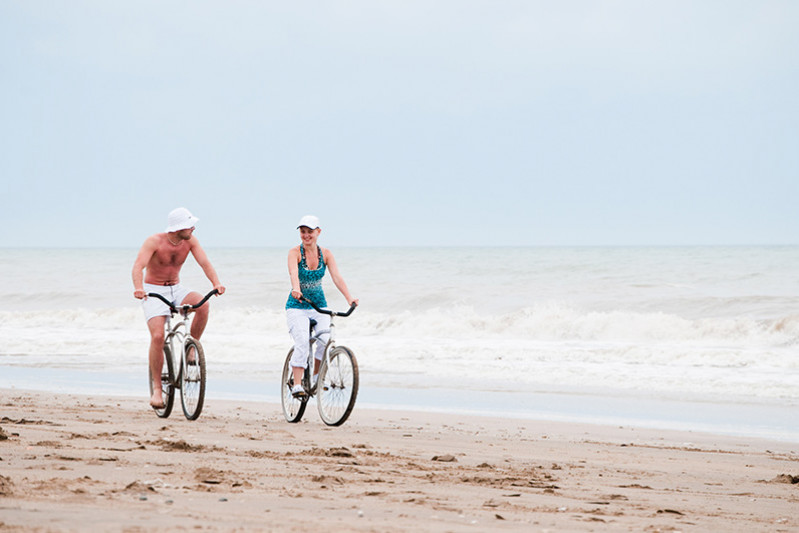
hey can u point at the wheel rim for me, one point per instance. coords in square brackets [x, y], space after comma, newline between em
[192, 382]
[167, 389]
[336, 388]
[293, 408]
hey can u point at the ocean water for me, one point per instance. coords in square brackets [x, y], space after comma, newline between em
[701, 338]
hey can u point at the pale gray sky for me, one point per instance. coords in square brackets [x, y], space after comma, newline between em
[400, 122]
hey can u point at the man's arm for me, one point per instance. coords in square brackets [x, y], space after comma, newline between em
[146, 252]
[202, 260]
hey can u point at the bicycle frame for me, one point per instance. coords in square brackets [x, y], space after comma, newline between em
[336, 387]
[178, 343]
[176, 337]
[315, 337]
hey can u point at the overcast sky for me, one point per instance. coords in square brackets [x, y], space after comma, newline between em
[401, 122]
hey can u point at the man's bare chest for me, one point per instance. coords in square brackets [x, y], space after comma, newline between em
[170, 258]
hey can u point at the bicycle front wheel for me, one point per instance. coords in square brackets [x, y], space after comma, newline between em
[337, 387]
[167, 384]
[192, 379]
[293, 408]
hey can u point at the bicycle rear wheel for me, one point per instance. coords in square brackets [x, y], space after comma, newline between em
[293, 408]
[167, 384]
[192, 379]
[337, 387]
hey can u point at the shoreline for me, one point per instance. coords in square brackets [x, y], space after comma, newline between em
[74, 462]
[727, 417]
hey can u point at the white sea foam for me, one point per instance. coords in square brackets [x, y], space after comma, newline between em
[694, 322]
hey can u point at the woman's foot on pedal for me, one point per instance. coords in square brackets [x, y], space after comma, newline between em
[298, 392]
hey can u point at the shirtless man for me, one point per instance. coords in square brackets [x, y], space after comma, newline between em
[163, 255]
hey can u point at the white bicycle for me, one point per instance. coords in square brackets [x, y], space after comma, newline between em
[337, 386]
[184, 362]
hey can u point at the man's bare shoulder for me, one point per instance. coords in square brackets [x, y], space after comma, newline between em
[155, 238]
[153, 242]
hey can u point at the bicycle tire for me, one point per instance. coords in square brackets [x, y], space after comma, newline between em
[293, 408]
[192, 379]
[167, 384]
[337, 388]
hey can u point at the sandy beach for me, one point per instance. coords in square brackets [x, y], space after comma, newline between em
[74, 463]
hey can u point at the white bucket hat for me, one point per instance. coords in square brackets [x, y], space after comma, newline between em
[309, 221]
[179, 219]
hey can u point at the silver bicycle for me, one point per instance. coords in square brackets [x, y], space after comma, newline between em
[184, 362]
[337, 385]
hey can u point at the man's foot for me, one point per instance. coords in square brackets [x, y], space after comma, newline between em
[298, 392]
[157, 403]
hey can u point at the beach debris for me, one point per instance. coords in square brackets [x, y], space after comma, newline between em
[611, 497]
[786, 478]
[5, 486]
[445, 458]
[177, 446]
[137, 487]
[491, 503]
[327, 479]
[636, 486]
[499, 516]
[670, 511]
[209, 476]
[339, 452]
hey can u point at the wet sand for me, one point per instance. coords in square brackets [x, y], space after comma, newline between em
[74, 463]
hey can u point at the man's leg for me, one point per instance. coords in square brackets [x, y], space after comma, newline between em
[200, 319]
[156, 327]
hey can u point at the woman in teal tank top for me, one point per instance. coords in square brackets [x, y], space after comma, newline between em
[308, 264]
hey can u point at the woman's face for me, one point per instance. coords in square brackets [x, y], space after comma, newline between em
[309, 235]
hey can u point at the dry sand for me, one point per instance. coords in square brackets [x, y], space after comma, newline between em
[72, 463]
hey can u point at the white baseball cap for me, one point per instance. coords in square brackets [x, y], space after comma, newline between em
[309, 221]
[179, 219]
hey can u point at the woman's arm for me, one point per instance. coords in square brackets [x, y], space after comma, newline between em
[294, 272]
[330, 261]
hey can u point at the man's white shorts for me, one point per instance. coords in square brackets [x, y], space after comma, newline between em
[154, 307]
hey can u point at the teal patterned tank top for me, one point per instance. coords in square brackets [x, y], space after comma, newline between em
[310, 284]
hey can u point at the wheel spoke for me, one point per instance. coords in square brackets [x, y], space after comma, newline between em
[338, 386]
[192, 382]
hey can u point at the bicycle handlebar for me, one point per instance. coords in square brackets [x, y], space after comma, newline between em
[328, 311]
[186, 307]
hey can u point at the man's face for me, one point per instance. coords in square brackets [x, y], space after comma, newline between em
[185, 234]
